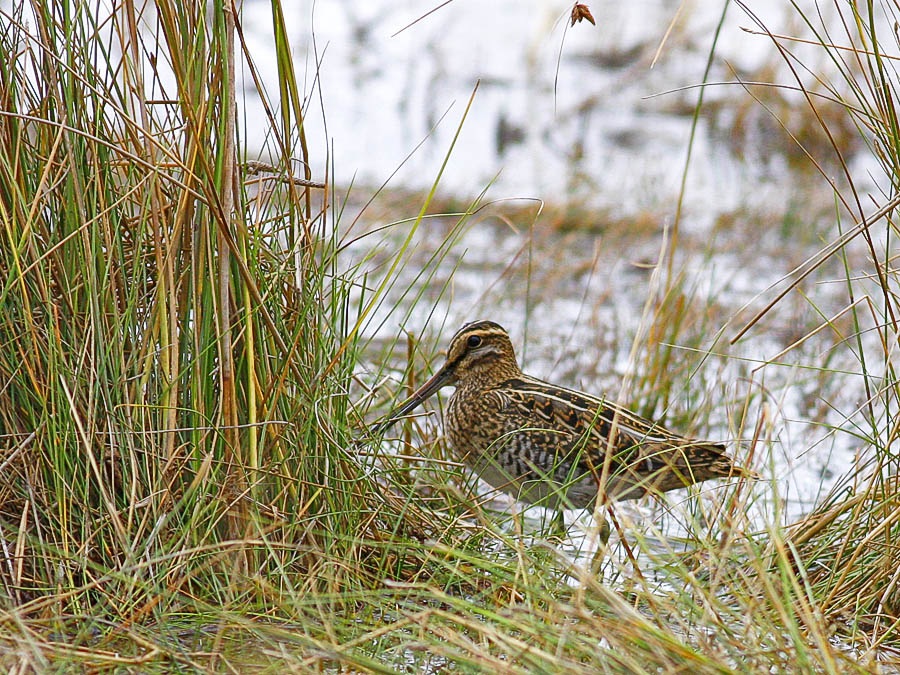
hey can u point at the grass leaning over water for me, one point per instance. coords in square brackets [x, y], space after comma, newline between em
[182, 482]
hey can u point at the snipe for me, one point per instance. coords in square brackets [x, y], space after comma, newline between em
[548, 445]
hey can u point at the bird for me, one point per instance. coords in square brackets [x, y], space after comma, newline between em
[549, 445]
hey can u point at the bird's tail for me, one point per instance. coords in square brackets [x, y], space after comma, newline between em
[680, 465]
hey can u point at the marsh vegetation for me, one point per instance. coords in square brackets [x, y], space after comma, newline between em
[193, 343]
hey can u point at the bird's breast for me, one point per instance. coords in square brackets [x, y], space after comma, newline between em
[474, 419]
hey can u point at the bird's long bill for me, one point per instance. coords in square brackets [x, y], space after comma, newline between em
[419, 396]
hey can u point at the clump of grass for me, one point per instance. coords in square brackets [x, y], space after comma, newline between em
[177, 342]
[844, 550]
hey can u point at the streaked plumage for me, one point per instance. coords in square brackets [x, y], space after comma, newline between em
[550, 445]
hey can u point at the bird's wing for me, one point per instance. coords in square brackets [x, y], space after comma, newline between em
[637, 443]
[586, 423]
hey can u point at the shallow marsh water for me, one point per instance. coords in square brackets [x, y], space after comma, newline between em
[580, 138]
[586, 303]
[579, 118]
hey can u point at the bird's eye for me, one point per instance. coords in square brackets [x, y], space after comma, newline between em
[473, 341]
